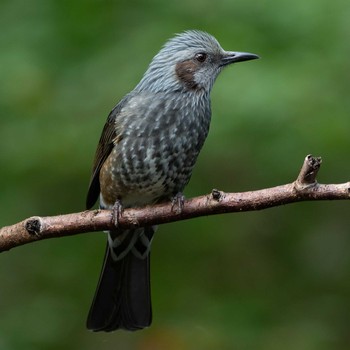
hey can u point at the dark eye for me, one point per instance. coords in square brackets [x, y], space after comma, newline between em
[201, 57]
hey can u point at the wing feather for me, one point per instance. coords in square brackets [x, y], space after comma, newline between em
[109, 137]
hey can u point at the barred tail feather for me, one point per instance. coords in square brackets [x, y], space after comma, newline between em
[123, 298]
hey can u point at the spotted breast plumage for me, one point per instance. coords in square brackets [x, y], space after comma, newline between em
[146, 154]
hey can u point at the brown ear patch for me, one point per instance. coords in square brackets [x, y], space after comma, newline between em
[185, 72]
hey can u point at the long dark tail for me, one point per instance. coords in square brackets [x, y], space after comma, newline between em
[123, 298]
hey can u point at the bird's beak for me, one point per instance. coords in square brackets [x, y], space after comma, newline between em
[233, 57]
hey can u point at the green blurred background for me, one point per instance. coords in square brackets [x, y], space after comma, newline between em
[274, 279]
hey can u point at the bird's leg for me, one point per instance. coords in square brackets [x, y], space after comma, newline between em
[117, 211]
[178, 202]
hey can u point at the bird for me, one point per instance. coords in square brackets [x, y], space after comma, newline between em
[145, 155]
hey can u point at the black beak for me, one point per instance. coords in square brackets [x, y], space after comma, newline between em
[233, 57]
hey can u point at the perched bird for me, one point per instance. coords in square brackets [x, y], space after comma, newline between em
[145, 155]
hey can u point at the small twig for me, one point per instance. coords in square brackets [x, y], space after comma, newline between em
[305, 188]
[308, 172]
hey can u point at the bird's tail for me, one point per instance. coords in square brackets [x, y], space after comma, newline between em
[123, 298]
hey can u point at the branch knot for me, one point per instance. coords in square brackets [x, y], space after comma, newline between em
[34, 226]
[308, 173]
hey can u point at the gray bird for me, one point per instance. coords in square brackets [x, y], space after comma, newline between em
[145, 155]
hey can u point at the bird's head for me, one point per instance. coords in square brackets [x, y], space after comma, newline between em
[189, 61]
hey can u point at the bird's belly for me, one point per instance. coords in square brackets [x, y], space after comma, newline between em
[140, 180]
[137, 197]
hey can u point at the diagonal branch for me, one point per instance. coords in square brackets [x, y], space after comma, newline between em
[305, 188]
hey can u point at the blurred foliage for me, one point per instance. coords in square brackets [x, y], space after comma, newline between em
[275, 279]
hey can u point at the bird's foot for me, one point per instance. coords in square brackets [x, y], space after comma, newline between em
[178, 202]
[117, 211]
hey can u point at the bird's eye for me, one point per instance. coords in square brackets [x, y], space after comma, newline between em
[201, 57]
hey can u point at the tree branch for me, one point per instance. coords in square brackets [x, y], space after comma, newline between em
[305, 188]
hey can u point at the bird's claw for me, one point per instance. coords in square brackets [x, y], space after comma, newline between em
[117, 212]
[178, 203]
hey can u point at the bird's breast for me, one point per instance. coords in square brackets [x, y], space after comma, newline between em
[155, 157]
